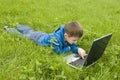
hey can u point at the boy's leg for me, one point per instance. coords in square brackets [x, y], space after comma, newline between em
[35, 35]
[23, 29]
[26, 32]
[29, 33]
[11, 30]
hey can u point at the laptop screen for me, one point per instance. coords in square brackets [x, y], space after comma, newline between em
[97, 49]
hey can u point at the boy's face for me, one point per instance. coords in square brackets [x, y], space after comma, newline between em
[70, 40]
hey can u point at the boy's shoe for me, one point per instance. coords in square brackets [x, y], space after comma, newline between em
[5, 27]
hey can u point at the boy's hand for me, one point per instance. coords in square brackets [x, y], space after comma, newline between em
[81, 52]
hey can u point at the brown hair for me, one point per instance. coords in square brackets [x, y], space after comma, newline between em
[73, 29]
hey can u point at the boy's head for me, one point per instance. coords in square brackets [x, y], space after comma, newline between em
[72, 32]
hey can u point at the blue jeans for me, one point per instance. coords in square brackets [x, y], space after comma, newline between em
[26, 32]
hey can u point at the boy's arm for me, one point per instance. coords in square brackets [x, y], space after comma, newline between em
[74, 48]
[56, 47]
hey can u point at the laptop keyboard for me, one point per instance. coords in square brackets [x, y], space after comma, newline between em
[79, 62]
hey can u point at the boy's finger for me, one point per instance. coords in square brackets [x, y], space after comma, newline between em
[82, 57]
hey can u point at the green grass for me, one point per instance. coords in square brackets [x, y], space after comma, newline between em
[21, 59]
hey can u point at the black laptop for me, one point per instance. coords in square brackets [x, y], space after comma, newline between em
[95, 52]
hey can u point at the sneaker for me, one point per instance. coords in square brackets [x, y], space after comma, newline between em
[5, 27]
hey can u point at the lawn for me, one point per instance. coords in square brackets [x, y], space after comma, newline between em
[21, 59]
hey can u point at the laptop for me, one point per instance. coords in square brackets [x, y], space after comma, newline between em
[95, 52]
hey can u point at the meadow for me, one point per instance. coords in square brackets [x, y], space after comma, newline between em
[21, 59]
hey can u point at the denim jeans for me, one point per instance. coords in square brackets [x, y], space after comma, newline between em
[26, 32]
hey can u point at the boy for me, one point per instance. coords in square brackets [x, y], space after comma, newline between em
[62, 40]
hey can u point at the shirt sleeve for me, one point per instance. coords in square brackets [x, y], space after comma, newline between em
[58, 49]
[74, 48]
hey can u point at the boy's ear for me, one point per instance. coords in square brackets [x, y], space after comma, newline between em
[65, 35]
